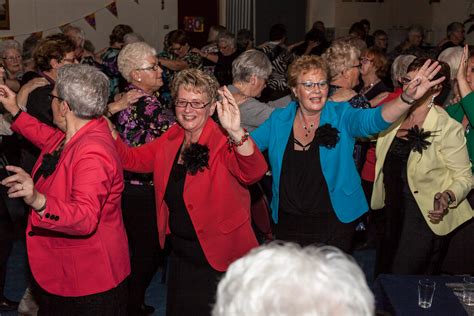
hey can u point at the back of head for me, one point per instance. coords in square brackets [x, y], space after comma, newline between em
[84, 88]
[29, 45]
[243, 39]
[214, 31]
[251, 62]
[55, 46]
[277, 32]
[178, 37]
[118, 33]
[357, 29]
[452, 56]
[399, 67]
[453, 27]
[132, 38]
[285, 279]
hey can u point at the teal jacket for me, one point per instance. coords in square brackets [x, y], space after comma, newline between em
[457, 112]
[342, 178]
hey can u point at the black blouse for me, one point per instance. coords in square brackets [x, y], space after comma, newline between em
[303, 188]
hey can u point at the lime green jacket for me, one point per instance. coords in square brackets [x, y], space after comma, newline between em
[444, 165]
[465, 108]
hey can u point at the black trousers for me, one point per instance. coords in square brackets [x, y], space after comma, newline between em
[6, 238]
[139, 215]
[109, 303]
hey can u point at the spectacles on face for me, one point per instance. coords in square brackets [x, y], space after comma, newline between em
[405, 80]
[12, 58]
[52, 97]
[69, 60]
[356, 66]
[193, 104]
[309, 85]
[155, 67]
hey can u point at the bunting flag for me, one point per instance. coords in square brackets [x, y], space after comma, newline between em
[137, 1]
[113, 8]
[90, 19]
[62, 27]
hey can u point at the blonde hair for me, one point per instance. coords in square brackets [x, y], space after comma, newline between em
[195, 80]
[340, 56]
[305, 64]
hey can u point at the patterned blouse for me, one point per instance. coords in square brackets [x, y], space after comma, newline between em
[141, 123]
[110, 68]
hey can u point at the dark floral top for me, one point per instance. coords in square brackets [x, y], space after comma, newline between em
[141, 123]
[110, 68]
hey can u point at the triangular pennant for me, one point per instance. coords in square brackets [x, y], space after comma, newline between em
[113, 8]
[90, 19]
[38, 35]
[62, 27]
[137, 1]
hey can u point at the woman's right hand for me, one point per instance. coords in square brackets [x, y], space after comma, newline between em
[22, 97]
[461, 76]
[125, 100]
[423, 80]
[8, 99]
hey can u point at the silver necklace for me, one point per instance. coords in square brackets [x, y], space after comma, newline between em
[307, 129]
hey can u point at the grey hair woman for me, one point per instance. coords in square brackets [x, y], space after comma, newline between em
[141, 118]
[250, 72]
[74, 199]
[10, 53]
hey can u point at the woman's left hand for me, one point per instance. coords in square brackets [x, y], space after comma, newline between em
[228, 111]
[423, 80]
[21, 185]
[440, 207]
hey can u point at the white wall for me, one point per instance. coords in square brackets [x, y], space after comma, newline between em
[146, 18]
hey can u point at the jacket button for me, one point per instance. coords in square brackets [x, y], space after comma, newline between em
[415, 192]
[56, 218]
[190, 207]
[46, 215]
[31, 233]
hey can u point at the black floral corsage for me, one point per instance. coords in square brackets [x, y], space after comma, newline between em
[48, 165]
[327, 136]
[417, 138]
[195, 158]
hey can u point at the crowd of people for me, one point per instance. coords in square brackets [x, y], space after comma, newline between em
[129, 159]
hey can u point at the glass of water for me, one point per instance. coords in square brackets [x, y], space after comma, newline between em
[426, 289]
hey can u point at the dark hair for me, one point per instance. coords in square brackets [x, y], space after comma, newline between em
[243, 38]
[454, 26]
[178, 37]
[55, 46]
[118, 33]
[445, 71]
[379, 33]
[314, 35]
[277, 32]
[358, 29]
[29, 45]
[378, 60]
[365, 22]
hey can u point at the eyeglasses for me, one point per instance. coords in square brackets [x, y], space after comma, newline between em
[155, 67]
[356, 66]
[12, 58]
[193, 104]
[365, 60]
[405, 80]
[309, 85]
[52, 96]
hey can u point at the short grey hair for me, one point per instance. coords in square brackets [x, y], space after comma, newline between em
[84, 88]
[132, 57]
[133, 37]
[340, 56]
[452, 56]
[399, 68]
[76, 29]
[9, 44]
[251, 62]
[227, 38]
[286, 279]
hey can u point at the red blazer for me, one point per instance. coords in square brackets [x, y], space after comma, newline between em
[79, 247]
[217, 199]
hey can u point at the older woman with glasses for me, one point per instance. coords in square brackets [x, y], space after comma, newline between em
[10, 52]
[140, 119]
[317, 195]
[76, 240]
[201, 171]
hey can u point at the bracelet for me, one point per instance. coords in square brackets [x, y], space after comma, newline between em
[405, 100]
[109, 114]
[234, 144]
[42, 208]
[450, 198]
[16, 115]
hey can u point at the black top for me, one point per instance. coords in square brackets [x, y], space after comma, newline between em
[39, 104]
[303, 189]
[375, 90]
[223, 68]
[184, 241]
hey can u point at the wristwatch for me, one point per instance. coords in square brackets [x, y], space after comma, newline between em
[407, 101]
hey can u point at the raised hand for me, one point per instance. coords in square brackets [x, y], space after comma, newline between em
[461, 76]
[228, 112]
[8, 98]
[423, 80]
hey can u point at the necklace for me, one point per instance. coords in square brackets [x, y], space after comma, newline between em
[366, 89]
[307, 129]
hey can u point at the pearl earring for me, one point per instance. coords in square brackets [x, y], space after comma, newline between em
[431, 102]
[139, 79]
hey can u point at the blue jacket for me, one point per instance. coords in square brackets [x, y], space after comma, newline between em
[342, 178]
